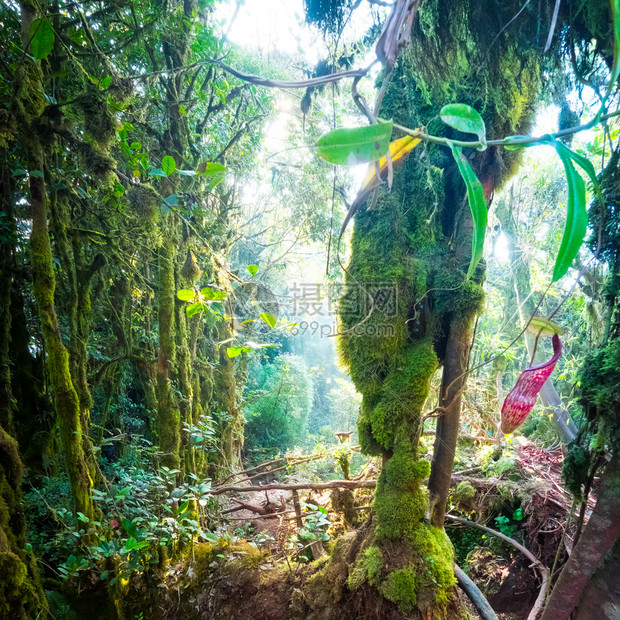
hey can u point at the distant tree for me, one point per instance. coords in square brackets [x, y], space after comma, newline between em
[278, 400]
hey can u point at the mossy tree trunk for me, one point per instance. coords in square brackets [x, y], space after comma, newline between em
[168, 414]
[415, 240]
[21, 595]
[226, 403]
[29, 106]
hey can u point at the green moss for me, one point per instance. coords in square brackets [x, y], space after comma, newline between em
[400, 588]
[436, 551]
[404, 472]
[99, 121]
[463, 496]
[576, 469]
[13, 572]
[456, 298]
[168, 413]
[145, 202]
[505, 463]
[398, 511]
[21, 595]
[401, 397]
[99, 164]
[367, 568]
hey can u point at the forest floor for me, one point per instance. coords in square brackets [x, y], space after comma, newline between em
[521, 495]
[260, 562]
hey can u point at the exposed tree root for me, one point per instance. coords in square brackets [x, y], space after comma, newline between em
[475, 596]
[544, 573]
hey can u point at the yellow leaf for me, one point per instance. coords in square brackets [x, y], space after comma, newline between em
[398, 150]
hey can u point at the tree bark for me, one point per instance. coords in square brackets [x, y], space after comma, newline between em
[597, 540]
[21, 595]
[452, 386]
[601, 597]
[168, 415]
[29, 106]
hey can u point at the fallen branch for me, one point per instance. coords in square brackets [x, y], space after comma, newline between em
[295, 516]
[487, 438]
[315, 486]
[290, 461]
[536, 563]
[474, 594]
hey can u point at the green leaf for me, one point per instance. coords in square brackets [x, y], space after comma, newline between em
[586, 165]
[36, 173]
[82, 517]
[123, 492]
[168, 165]
[477, 205]
[187, 173]
[41, 38]
[130, 528]
[183, 507]
[172, 200]
[211, 168]
[186, 294]
[136, 146]
[213, 294]
[269, 319]
[105, 83]
[540, 326]
[464, 118]
[157, 172]
[253, 269]
[346, 147]
[193, 309]
[576, 218]
[234, 351]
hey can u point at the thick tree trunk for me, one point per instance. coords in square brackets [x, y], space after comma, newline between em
[21, 595]
[601, 597]
[29, 106]
[597, 540]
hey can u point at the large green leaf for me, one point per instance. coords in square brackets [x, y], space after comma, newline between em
[168, 165]
[477, 205]
[585, 164]
[346, 147]
[464, 118]
[236, 351]
[210, 169]
[41, 38]
[576, 217]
